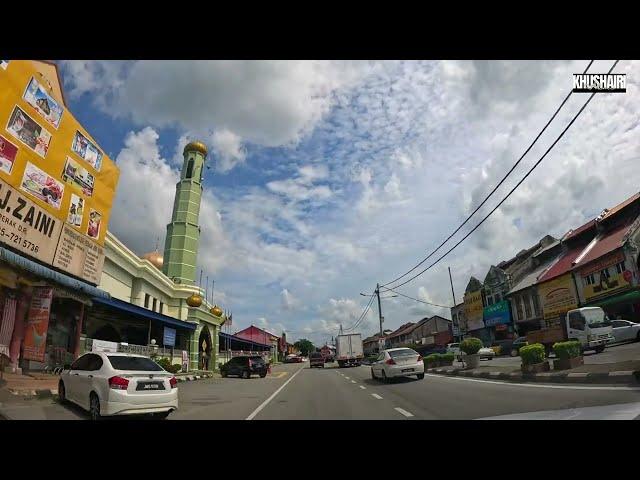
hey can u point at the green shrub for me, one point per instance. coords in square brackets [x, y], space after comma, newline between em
[532, 354]
[447, 357]
[175, 368]
[433, 358]
[163, 362]
[470, 346]
[567, 350]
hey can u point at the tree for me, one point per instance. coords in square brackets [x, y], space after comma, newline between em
[305, 346]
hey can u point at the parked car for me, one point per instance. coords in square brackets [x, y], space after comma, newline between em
[486, 352]
[316, 360]
[244, 367]
[293, 359]
[517, 344]
[397, 362]
[625, 331]
[108, 384]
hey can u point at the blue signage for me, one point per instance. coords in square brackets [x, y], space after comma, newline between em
[496, 314]
[169, 337]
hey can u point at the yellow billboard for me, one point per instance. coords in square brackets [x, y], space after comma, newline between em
[473, 308]
[557, 296]
[56, 183]
[605, 276]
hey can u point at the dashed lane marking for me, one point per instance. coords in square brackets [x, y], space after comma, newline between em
[363, 387]
[375, 395]
[403, 412]
[353, 381]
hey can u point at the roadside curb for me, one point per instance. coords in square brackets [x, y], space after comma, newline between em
[625, 377]
[192, 378]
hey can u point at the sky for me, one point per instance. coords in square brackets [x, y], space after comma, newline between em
[326, 177]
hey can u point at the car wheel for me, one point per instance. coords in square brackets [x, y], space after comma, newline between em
[246, 374]
[600, 349]
[62, 394]
[489, 358]
[373, 375]
[514, 353]
[262, 375]
[420, 376]
[94, 407]
[638, 337]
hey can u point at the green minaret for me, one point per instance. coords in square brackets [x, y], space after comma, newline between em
[183, 233]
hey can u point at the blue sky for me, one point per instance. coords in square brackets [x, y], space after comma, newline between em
[327, 177]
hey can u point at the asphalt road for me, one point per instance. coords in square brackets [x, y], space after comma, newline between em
[295, 392]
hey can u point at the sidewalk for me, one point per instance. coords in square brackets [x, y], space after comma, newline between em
[627, 372]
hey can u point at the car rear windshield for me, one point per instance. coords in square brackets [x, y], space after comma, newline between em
[257, 359]
[315, 355]
[140, 364]
[405, 352]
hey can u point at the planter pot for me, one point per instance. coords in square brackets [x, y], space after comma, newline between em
[472, 361]
[568, 363]
[536, 367]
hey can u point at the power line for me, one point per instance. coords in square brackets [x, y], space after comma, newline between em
[421, 301]
[362, 315]
[492, 191]
[511, 191]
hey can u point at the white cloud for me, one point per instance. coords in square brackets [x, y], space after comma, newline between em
[228, 147]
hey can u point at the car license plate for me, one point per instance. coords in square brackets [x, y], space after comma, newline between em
[150, 386]
[407, 370]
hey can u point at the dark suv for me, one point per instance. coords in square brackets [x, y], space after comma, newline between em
[244, 367]
[316, 360]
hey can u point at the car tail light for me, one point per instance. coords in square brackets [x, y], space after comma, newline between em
[118, 383]
[391, 361]
[419, 358]
[173, 381]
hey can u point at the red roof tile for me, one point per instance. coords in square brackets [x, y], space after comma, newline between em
[563, 265]
[609, 242]
[581, 229]
[620, 206]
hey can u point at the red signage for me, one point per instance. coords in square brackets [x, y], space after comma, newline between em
[603, 263]
[35, 338]
[627, 275]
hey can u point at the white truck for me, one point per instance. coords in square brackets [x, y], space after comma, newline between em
[588, 325]
[349, 351]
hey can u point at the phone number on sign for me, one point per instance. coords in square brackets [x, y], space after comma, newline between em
[18, 240]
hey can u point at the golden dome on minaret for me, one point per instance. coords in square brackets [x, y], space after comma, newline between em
[196, 146]
[155, 258]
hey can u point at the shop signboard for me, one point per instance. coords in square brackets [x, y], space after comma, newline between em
[104, 346]
[56, 184]
[185, 361]
[473, 310]
[602, 278]
[35, 338]
[169, 337]
[497, 314]
[557, 296]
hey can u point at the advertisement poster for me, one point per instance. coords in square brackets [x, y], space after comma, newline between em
[185, 361]
[93, 230]
[557, 296]
[75, 211]
[29, 132]
[42, 186]
[497, 314]
[35, 335]
[605, 284]
[87, 151]
[473, 310]
[104, 346]
[77, 176]
[43, 103]
[8, 152]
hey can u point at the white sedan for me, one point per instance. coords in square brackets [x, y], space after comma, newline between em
[625, 331]
[119, 384]
[397, 362]
[486, 352]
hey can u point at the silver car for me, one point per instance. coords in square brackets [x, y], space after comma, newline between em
[397, 362]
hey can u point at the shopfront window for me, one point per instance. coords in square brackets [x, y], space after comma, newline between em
[147, 297]
[519, 307]
[536, 304]
[527, 305]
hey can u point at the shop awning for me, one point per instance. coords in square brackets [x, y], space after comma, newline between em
[143, 312]
[50, 274]
[633, 296]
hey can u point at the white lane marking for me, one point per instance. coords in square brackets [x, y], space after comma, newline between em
[375, 395]
[347, 378]
[266, 402]
[353, 381]
[403, 412]
[622, 411]
[363, 387]
[510, 384]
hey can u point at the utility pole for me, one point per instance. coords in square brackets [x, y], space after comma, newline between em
[455, 323]
[379, 307]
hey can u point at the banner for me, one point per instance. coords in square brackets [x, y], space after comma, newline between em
[602, 278]
[473, 310]
[53, 174]
[557, 296]
[496, 314]
[104, 346]
[35, 337]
